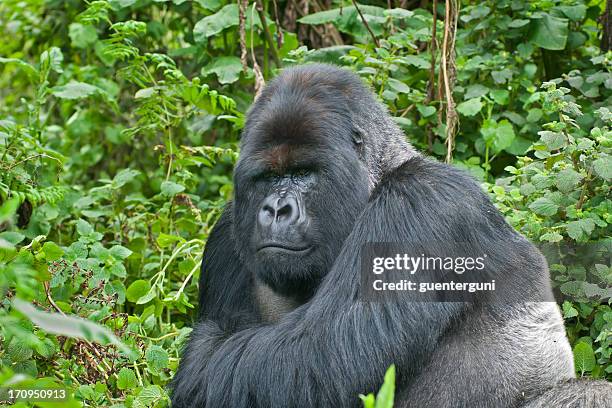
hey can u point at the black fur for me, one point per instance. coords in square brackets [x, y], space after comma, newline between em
[335, 345]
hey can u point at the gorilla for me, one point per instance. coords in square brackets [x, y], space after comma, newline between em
[283, 322]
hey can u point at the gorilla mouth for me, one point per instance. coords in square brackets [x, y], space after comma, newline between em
[275, 246]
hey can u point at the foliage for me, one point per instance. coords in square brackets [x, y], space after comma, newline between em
[119, 123]
[560, 197]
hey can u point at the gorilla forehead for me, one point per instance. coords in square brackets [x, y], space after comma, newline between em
[308, 105]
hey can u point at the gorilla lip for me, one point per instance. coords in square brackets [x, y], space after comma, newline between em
[282, 247]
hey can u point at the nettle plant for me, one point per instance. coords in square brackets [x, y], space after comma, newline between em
[560, 198]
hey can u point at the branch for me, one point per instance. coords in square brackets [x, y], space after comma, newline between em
[242, 6]
[448, 74]
[267, 35]
[365, 23]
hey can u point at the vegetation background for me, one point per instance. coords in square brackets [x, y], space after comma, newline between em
[119, 123]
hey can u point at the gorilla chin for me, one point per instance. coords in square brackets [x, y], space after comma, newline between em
[293, 270]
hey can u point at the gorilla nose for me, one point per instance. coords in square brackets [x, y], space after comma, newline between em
[279, 211]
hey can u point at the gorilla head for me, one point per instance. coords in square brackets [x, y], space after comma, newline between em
[305, 172]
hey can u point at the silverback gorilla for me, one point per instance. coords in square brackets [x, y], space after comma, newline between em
[324, 170]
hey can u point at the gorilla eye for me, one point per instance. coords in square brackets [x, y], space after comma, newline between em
[300, 173]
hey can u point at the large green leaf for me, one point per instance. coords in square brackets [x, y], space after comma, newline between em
[226, 68]
[548, 31]
[470, 107]
[75, 90]
[215, 23]
[584, 358]
[544, 206]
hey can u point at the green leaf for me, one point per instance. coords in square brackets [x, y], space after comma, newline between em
[8, 209]
[75, 90]
[157, 358]
[398, 86]
[567, 180]
[500, 96]
[369, 400]
[12, 236]
[211, 5]
[137, 289]
[165, 240]
[52, 251]
[470, 107]
[518, 23]
[476, 91]
[544, 206]
[519, 146]
[386, 394]
[120, 252]
[574, 13]
[416, 61]
[322, 17]
[548, 31]
[552, 140]
[149, 396]
[126, 379]
[83, 227]
[54, 57]
[603, 167]
[568, 310]
[426, 111]
[580, 228]
[584, 358]
[551, 237]
[226, 68]
[123, 177]
[82, 36]
[497, 135]
[210, 25]
[171, 189]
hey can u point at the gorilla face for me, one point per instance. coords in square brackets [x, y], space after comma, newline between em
[299, 188]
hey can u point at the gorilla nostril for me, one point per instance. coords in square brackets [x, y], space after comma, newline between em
[268, 210]
[285, 211]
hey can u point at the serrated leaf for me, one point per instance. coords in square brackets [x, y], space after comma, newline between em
[150, 395]
[544, 206]
[126, 379]
[157, 358]
[603, 167]
[567, 180]
[552, 140]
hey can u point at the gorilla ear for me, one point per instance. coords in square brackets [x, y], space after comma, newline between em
[357, 135]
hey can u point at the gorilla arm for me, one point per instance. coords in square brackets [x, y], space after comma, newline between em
[225, 308]
[332, 348]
